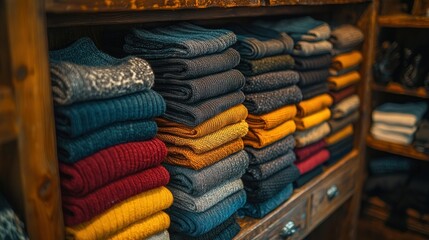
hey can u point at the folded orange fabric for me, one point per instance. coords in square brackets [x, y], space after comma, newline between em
[187, 158]
[314, 105]
[228, 117]
[122, 215]
[210, 141]
[342, 81]
[347, 60]
[272, 119]
[338, 136]
[259, 138]
[313, 119]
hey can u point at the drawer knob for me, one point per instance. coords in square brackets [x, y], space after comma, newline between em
[332, 192]
[289, 229]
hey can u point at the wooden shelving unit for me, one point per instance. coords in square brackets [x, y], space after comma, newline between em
[403, 150]
[8, 131]
[396, 88]
[403, 21]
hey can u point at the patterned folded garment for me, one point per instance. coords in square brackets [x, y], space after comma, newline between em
[313, 62]
[123, 215]
[74, 149]
[270, 152]
[182, 40]
[202, 203]
[343, 93]
[389, 136]
[272, 119]
[305, 49]
[270, 81]
[346, 36]
[346, 60]
[339, 82]
[81, 72]
[11, 227]
[390, 164]
[307, 151]
[198, 182]
[179, 68]
[313, 119]
[339, 135]
[194, 114]
[80, 209]
[313, 77]
[225, 118]
[196, 90]
[346, 107]
[404, 114]
[312, 135]
[268, 64]
[398, 129]
[313, 161]
[313, 105]
[264, 102]
[196, 224]
[338, 124]
[259, 138]
[303, 179]
[80, 118]
[164, 235]
[265, 170]
[314, 90]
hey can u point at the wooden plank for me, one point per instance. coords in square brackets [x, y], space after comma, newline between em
[403, 21]
[8, 131]
[38, 166]
[397, 88]
[313, 2]
[399, 149]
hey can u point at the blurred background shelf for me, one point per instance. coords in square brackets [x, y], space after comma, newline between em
[399, 149]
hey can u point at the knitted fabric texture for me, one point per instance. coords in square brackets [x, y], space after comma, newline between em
[121, 160]
[179, 68]
[303, 179]
[80, 118]
[343, 143]
[313, 161]
[80, 209]
[268, 64]
[307, 151]
[338, 124]
[72, 150]
[194, 114]
[343, 71]
[340, 82]
[346, 36]
[390, 136]
[260, 191]
[313, 77]
[347, 60]
[196, 90]
[210, 141]
[225, 118]
[81, 72]
[122, 215]
[339, 135]
[259, 138]
[187, 158]
[260, 210]
[404, 114]
[342, 94]
[389, 164]
[270, 81]
[270, 152]
[265, 170]
[313, 105]
[264, 102]
[202, 203]
[198, 182]
[346, 107]
[305, 49]
[313, 119]
[312, 135]
[339, 150]
[164, 235]
[182, 40]
[395, 128]
[11, 227]
[272, 119]
[195, 224]
[314, 90]
[314, 62]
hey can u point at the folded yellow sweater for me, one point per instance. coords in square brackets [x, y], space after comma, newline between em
[313, 119]
[314, 105]
[147, 227]
[187, 158]
[347, 60]
[228, 117]
[210, 141]
[259, 138]
[122, 215]
[338, 136]
[272, 119]
[342, 81]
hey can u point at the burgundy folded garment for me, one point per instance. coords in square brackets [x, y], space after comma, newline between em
[340, 95]
[303, 153]
[81, 209]
[313, 161]
[110, 164]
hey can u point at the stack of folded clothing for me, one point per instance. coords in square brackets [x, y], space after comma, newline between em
[202, 126]
[110, 163]
[421, 141]
[271, 94]
[397, 122]
[11, 227]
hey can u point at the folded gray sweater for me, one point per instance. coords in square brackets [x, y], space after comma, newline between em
[270, 81]
[270, 152]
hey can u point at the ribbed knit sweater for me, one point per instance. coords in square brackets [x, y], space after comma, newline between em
[313, 161]
[346, 107]
[346, 36]
[346, 60]
[268, 64]
[313, 105]
[272, 119]
[305, 49]
[272, 151]
[270, 81]
[313, 62]
[164, 235]
[343, 93]
[312, 135]
[342, 81]
[259, 138]
[337, 124]
[339, 135]
[305, 152]
[314, 90]
[305, 178]
[313, 119]
[313, 77]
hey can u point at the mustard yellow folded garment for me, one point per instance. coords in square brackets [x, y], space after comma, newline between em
[122, 215]
[313, 119]
[228, 117]
[210, 141]
[338, 136]
[144, 228]
[259, 138]
[347, 60]
[187, 158]
[313, 105]
[342, 81]
[272, 119]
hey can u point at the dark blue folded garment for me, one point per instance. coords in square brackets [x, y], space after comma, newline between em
[339, 150]
[307, 78]
[313, 62]
[303, 179]
[389, 164]
[314, 90]
[270, 152]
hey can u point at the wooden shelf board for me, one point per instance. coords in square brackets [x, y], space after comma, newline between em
[403, 21]
[398, 89]
[399, 149]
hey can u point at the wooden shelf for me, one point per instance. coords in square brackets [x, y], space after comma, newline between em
[403, 21]
[398, 89]
[399, 149]
[8, 130]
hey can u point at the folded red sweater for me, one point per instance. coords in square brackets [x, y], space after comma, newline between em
[110, 164]
[303, 153]
[313, 161]
[80, 209]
